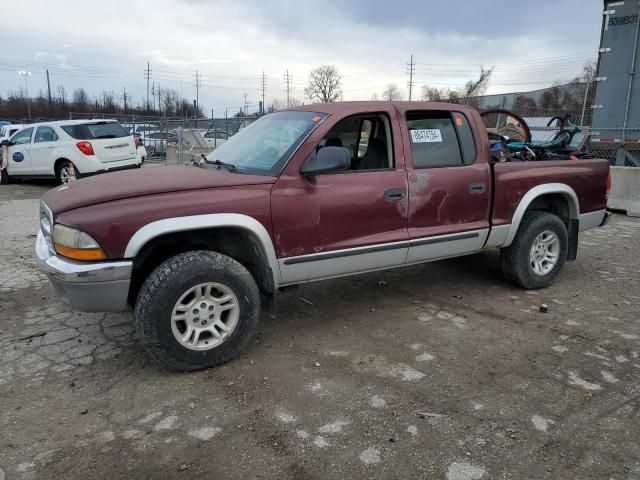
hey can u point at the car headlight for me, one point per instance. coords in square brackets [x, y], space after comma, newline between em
[75, 244]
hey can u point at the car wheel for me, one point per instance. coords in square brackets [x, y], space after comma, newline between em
[63, 172]
[538, 251]
[5, 179]
[197, 310]
[151, 150]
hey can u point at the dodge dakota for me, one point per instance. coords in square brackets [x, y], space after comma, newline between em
[301, 195]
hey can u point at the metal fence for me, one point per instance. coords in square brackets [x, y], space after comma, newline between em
[620, 146]
[174, 138]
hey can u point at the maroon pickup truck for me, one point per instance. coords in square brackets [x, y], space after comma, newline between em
[301, 195]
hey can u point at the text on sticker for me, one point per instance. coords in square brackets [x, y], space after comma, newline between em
[426, 135]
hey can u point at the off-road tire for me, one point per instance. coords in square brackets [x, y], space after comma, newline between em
[5, 179]
[162, 289]
[515, 261]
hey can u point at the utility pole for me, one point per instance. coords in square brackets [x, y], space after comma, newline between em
[147, 75]
[411, 71]
[246, 106]
[198, 81]
[159, 97]
[264, 84]
[26, 74]
[153, 95]
[124, 96]
[49, 89]
[287, 81]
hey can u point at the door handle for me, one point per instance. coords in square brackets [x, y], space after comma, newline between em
[476, 187]
[394, 194]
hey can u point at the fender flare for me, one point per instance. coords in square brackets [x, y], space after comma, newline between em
[565, 190]
[195, 222]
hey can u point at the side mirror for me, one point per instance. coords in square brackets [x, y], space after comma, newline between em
[5, 143]
[327, 159]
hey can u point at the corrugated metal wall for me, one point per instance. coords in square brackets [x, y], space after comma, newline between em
[617, 103]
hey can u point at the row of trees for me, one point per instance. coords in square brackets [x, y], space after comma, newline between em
[17, 106]
[324, 85]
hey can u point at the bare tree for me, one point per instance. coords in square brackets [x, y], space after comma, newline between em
[109, 104]
[476, 88]
[392, 93]
[169, 100]
[62, 95]
[433, 94]
[80, 100]
[325, 84]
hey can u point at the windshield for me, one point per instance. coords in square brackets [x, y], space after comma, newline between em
[265, 146]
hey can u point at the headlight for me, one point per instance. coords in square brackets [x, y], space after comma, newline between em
[75, 244]
[46, 222]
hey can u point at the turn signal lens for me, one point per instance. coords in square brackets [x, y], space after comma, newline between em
[81, 253]
[75, 244]
[85, 147]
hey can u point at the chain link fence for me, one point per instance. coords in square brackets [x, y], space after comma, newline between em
[175, 139]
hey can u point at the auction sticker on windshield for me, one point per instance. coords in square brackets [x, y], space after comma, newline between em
[426, 135]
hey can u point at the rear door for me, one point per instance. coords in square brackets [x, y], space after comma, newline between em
[20, 153]
[43, 150]
[349, 221]
[111, 142]
[449, 184]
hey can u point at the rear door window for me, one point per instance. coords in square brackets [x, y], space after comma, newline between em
[95, 131]
[433, 139]
[465, 136]
[45, 134]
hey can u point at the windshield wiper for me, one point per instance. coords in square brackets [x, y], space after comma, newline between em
[219, 163]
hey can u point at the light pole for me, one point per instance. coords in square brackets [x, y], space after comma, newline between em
[26, 74]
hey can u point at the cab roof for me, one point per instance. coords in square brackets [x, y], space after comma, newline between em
[355, 106]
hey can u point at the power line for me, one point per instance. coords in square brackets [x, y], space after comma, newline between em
[515, 62]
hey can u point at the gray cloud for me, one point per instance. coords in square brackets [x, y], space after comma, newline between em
[232, 42]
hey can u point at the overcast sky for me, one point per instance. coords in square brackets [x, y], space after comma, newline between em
[106, 45]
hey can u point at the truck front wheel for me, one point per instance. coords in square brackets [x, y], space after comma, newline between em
[538, 251]
[197, 310]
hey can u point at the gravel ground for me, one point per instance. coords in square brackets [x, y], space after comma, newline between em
[438, 371]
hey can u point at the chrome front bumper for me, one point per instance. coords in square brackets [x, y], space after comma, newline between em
[86, 286]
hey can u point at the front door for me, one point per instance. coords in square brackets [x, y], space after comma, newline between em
[20, 153]
[350, 221]
[449, 185]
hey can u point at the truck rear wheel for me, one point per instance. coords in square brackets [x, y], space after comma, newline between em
[197, 310]
[538, 251]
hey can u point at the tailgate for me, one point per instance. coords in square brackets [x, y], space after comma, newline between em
[114, 149]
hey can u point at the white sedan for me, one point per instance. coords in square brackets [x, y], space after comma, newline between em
[51, 149]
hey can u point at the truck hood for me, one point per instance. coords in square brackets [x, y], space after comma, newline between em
[144, 181]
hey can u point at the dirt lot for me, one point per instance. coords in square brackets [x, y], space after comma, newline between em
[439, 371]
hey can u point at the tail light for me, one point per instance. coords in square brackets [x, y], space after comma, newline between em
[85, 147]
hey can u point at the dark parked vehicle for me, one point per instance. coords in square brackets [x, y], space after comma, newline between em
[307, 194]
